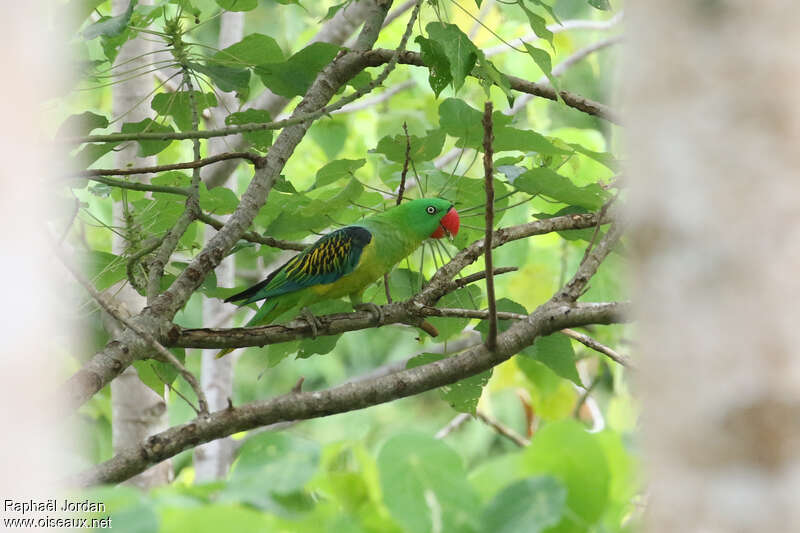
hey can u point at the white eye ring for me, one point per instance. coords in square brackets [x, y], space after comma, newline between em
[430, 209]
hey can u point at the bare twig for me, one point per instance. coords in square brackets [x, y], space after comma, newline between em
[502, 429]
[399, 199]
[594, 345]
[488, 153]
[252, 236]
[249, 156]
[453, 425]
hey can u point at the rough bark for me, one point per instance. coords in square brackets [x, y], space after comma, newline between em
[714, 158]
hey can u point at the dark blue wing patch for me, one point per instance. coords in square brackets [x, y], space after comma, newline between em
[331, 257]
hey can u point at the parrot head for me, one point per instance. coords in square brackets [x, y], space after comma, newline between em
[431, 217]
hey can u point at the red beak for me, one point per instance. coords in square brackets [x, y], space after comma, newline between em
[448, 225]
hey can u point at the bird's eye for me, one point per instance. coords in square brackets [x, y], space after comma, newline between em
[430, 209]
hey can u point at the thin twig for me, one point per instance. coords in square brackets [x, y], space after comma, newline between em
[502, 429]
[594, 345]
[249, 156]
[488, 168]
[399, 199]
[252, 236]
[466, 280]
[451, 426]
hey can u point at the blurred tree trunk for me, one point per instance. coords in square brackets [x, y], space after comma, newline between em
[713, 126]
[212, 460]
[137, 412]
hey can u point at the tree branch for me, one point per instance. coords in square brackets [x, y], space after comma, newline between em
[586, 340]
[488, 171]
[546, 319]
[92, 172]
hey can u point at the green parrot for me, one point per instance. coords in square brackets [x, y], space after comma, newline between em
[346, 261]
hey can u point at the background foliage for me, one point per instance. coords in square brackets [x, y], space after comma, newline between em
[381, 469]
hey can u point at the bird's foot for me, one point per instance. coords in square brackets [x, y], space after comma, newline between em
[370, 307]
[312, 320]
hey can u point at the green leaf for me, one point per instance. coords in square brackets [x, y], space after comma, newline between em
[261, 140]
[424, 485]
[458, 119]
[542, 180]
[457, 48]
[336, 170]
[219, 200]
[294, 76]
[547, 8]
[602, 5]
[462, 395]
[81, 124]
[178, 105]
[433, 56]
[566, 451]
[148, 147]
[527, 506]
[104, 269]
[157, 374]
[538, 24]
[226, 78]
[251, 51]
[269, 466]
[330, 135]
[91, 153]
[110, 26]
[333, 10]
[556, 352]
[238, 5]
[543, 61]
[490, 75]
[422, 148]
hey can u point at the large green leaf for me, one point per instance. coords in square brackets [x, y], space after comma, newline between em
[544, 62]
[544, 181]
[336, 170]
[460, 120]
[148, 147]
[422, 148]
[566, 451]
[226, 78]
[538, 24]
[435, 59]
[294, 76]
[556, 352]
[104, 269]
[527, 506]
[238, 5]
[462, 395]
[178, 105]
[81, 124]
[456, 47]
[424, 485]
[260, 140]
[253, 50]
[271, 466]
[110, 26]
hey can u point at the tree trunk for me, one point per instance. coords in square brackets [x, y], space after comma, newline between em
[212, 460]
[710, 92]
[137, 412]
